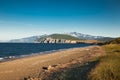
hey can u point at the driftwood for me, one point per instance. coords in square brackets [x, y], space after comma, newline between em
[49, 67]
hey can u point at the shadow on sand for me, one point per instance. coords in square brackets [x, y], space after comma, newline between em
[75, 72]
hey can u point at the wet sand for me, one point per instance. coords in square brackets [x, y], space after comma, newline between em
[32, 66]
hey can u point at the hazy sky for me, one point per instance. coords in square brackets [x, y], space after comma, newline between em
[21, 18]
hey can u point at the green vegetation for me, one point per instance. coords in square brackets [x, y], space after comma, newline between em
[109, 66]
[63, 36]
[57, 36]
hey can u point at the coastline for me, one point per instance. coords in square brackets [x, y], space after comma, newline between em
[32, 65]
[31, 55]
[10, 58]
[6, 57]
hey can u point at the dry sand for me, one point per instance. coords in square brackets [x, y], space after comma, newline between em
[32, 66]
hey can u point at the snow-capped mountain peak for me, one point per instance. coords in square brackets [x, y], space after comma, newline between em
[83, 36]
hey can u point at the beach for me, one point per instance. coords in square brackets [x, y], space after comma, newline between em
[32, 66]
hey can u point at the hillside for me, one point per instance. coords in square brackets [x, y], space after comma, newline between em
[115, 41]
[63, 36]
[109, 65]
[89, 37]
[105, 39]
[57, 38]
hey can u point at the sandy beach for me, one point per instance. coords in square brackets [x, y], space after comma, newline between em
[32, 66]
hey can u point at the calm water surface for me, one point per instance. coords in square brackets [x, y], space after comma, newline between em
[11, 50]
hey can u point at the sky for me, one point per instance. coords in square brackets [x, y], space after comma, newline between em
[24, 18]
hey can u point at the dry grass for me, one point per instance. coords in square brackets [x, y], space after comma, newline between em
[109, 66]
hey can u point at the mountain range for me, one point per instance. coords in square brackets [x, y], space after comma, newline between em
[32, 39]
[84, 36]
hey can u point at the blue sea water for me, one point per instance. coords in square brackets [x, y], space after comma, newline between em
[13, 50]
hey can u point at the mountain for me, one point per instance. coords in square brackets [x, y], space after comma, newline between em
[3, 41]
[27, 39]
[24, 40]
[71, 35]
[89, 37]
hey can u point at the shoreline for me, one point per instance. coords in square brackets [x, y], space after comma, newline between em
[31, 66]
[30, 55]
[2, 60]
[11, 58]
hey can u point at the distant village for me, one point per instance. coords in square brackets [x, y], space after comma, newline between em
[51, 40]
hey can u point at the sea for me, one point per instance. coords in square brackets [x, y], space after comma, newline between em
[18, 50]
